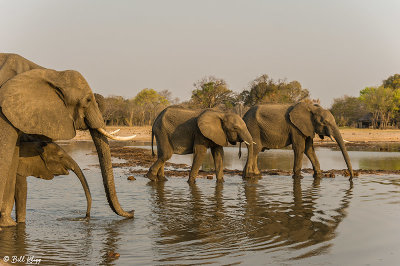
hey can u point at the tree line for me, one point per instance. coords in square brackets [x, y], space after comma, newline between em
[376, 106]
[379, 105]
[209, 92]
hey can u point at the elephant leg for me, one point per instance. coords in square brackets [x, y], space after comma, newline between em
[163, 154]
[251, 169]
[310, 153]
[298, 148]
[8, 141]
[160, 173]
[8, 197]
[21, 191]
[256, 151]
[199, 153]
[256, 171]
[218, 156]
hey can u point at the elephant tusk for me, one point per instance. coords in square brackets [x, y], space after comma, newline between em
[254, 143]
[115, 131]
[246, 142]
[345, 141]
[108, 135]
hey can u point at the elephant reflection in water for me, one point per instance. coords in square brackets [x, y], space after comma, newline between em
[13, 241]
[226, 219]
[283, 224]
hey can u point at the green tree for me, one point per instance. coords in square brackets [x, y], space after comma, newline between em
[211, 92]
[392, 82]
[382, 102]
[265, 90]
[347, 110]
[149, 103]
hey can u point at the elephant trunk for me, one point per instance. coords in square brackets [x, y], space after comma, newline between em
[78, 172]
[103, 151]
[338, 137]
[248, 140]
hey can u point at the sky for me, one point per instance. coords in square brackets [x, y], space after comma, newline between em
[333, 48]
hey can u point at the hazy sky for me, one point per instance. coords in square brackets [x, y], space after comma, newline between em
[331, 47]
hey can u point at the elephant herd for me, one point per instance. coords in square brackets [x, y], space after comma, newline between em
[269, 126]
[39, 106]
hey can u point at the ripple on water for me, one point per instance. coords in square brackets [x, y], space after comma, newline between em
[273, 220]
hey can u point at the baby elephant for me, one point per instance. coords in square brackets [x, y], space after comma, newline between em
[44, 160]
[180, 130]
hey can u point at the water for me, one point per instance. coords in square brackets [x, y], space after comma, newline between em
[272, 221]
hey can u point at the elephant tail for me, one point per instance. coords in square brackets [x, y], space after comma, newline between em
[152, 142]
[240, 149]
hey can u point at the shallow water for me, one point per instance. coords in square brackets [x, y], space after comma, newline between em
[272, 221]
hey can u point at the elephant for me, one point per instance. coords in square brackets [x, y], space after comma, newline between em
[51, 105]
[12, 65]
[44, 160]
[179, 130]
[274, 126]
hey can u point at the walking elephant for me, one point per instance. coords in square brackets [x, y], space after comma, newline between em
[183, 131]
[275, 126]
[44, 160]
[51, 105]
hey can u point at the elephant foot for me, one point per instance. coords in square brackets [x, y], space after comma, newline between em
[220, 180]
[298, 176]
[162, 178]
[150, 176]
[21, 220]
[7, 221]
[191, 180]
[252, 175]
[317, 175]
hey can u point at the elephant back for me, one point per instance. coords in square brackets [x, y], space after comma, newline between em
[178, 125]
[12, 65]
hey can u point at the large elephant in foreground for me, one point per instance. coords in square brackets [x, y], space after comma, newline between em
[51, 105]
[43, 160]
[180, 130]
[275, 126]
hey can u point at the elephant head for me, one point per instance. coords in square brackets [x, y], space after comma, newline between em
[222, 128]
[54, 104]
[44, 160]
[311, 118]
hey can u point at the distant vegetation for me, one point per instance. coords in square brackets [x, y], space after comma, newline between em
[377, 107]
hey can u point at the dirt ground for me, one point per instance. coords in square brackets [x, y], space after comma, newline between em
[143, 133]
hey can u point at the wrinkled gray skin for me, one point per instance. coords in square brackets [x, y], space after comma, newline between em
[183, 131]
[44, 160]
[274, 126]
[53, 105]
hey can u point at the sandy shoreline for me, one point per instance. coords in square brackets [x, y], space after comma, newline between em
[357, 135]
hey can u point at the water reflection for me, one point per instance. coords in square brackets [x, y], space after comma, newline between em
[205, 227]
[272, 220]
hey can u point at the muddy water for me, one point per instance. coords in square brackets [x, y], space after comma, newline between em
[272, 221]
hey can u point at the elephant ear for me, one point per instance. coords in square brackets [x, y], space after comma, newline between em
[301, 117]
[33, 102]
[209, 123]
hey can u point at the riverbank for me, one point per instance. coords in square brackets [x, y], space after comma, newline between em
[356, 135]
